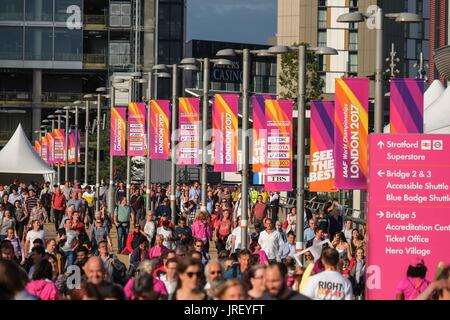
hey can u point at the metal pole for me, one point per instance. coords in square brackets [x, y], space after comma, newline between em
[301, 145]
[148, 164]
[244, 184]
[59, 164]
[173, 166]
[130, 95]
[97, 167]
[66, 167]
[204, 129]
[86, 144]
[111, 163]
[75, 173]
[378, 120]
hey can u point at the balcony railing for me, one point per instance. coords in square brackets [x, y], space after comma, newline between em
[94, 60]
[20, 97]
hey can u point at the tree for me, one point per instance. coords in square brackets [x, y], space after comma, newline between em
[289, 75]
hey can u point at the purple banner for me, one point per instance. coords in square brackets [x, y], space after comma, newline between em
[189, 131]
[407, 105]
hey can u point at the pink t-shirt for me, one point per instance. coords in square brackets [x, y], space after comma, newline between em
[158, 286]
[412, 287]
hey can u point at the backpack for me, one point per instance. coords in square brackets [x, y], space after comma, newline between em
[119, 271]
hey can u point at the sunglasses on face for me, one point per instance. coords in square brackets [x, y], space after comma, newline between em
[191, 274]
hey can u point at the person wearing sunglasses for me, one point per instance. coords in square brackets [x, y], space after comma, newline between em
[189, 281]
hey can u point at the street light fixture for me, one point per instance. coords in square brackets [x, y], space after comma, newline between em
[300, 196]
[97, 167]
[402, 17]
[205, 63]
[246, 66]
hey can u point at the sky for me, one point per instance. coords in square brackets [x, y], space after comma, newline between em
[245, 21]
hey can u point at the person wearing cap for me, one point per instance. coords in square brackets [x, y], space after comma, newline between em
[415, 282]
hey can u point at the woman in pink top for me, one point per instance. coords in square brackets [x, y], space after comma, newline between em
[158, 249]
[201, 229]
[414, 283]
[261, 253]
[158, 286]
[41, 284]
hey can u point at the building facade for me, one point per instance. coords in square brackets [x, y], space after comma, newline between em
[314, 22]
[53, 52]
[439, 35]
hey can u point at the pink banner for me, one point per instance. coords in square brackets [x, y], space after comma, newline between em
[259, 132]
[38, 147]
[136, 129]
[278, 176]
[351, 125]
[44, 148]
[59, 145]
[321, 167]
[160, 130]
[72, 142]
[117, 132]
[189, 131]
[50, 147]
[408, 219]
[225, 132]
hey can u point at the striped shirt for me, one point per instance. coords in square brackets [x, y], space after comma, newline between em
[30, 203]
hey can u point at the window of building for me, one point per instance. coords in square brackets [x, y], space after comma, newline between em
[120, 14]
[39, 10]
[11, 10]
[119, 53]
[322, 23]
[11, 46]
[353, 62]
[322, 60]
[322, 39]
[353, 41]
[38, 43]
[68, 44]
[353, 3]
[322, 3]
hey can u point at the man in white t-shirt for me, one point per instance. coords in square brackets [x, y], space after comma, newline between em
[329, 284]
[236, 237]
[270, 240]
[33, 234]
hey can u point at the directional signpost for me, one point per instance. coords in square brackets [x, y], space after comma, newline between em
[408, 207]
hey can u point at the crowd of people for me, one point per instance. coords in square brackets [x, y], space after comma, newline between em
[198, 256]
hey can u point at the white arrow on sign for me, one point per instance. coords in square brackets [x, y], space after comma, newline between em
[380, 173]
[381, 144]
[380, 214]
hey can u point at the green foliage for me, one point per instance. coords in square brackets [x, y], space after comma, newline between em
[289, 75]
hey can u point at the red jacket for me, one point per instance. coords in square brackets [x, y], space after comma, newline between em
[59, 201]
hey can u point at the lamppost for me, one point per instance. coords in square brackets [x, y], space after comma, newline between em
[58, 114]
[76, 104]
[97, 167]
[111, 158]
[66, 138]
[205, 62]
[378, 16]
[300, 197]
[246, 66]
[173, 165]
[87, 98]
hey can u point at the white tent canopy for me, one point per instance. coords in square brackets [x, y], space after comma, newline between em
[436, 113]
[19, 157]
[434, 91]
